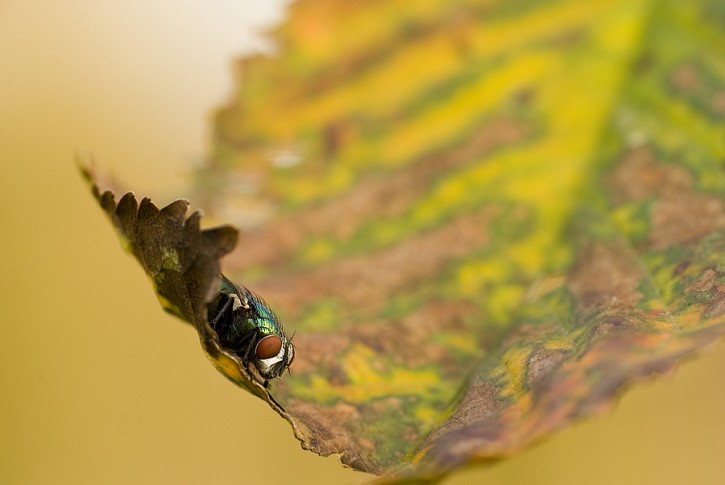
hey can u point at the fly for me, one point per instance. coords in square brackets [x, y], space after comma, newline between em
[249, 328]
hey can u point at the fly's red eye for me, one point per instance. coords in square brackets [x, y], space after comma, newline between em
[268, 347]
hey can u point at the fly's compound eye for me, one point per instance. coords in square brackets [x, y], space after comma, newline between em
[268, 347]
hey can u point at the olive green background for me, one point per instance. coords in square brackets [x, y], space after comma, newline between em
[97, 384]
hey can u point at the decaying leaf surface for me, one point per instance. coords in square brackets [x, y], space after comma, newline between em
[482, 218]
[180, 258]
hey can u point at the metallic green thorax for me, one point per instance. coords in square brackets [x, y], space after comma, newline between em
[257, 317]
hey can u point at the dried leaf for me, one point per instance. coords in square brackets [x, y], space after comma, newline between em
[483, 218]
[181, 260]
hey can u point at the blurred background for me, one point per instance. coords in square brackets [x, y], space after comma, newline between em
[97, 384]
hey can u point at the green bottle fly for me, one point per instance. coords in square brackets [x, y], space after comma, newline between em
[247, 327]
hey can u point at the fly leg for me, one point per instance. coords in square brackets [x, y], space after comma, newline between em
[251, 345]
[220, 313]
[243, 348]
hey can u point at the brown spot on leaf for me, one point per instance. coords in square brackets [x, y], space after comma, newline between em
[613, 323]
[329, 432]
[680, 218]
[679, 215]
[408, 341]
[717, 103]
[605, 276]
[314, 351]
[368, 281]
[639, 177]
[541, 363]
[480, 402]
[686, 79]
[705, 282]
